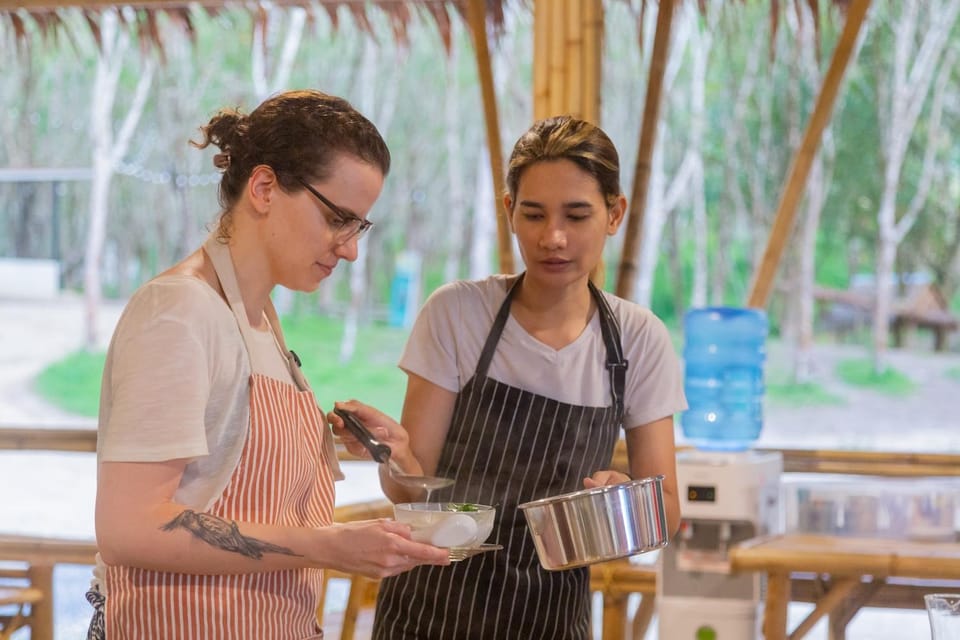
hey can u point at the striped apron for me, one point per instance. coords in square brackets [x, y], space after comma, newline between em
[507, 446]
[285, 477]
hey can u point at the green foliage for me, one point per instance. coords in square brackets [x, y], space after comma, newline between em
[73, 384]
[801, 395]
[372, 376]
[860, 372]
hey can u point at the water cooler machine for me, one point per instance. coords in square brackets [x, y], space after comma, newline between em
[728, 493]
[725, 498]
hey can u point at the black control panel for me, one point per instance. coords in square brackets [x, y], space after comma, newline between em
[701, 493]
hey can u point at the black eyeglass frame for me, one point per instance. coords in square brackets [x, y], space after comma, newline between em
[344, 217]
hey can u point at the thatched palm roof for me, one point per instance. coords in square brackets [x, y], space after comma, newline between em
[48, 17]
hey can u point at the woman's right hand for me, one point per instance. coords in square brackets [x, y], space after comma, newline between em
[375, 548]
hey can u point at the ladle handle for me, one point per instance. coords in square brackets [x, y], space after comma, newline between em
[379, 451]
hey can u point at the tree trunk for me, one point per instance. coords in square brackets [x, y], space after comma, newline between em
[915, 61]
[701, 41]
[662, 198]
[107, 152]
[358, 269]
[453, 130]
[816, 196]
[484, 225]
[737, 156]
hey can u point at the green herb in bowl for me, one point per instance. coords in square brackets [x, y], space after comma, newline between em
[463, 506]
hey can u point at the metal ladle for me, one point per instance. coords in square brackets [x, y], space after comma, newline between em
[381, 454]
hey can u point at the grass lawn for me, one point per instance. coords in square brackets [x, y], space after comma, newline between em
[372, 376]
[859, 372]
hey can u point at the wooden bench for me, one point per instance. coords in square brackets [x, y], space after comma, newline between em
[17, 604]
[40, 555]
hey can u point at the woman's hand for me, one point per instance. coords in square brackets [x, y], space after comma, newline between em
[605, 477]
[376, 549]
[382, 427]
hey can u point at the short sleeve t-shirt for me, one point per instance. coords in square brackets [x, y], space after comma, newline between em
[446, 340]
[176, 384]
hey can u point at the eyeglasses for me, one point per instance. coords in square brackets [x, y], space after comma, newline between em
[346, 225]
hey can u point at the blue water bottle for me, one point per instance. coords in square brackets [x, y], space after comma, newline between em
[724, 353]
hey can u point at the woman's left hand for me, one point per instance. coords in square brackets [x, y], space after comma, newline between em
[605, 477]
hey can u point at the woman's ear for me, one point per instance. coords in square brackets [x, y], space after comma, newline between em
[508, 209]
[261, 187]
[617, 213]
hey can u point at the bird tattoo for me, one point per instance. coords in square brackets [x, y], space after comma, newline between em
[223, 534]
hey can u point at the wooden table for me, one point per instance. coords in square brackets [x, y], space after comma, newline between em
[851, 573]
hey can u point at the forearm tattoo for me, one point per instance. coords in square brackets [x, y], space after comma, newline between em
[222, 534]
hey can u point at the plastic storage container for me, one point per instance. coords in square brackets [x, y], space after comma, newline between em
[724, 354]
[922, 509]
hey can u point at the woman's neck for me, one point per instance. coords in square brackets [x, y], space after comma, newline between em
[252, 271]
[555, 317]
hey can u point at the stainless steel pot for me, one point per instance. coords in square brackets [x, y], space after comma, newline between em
[595, 525]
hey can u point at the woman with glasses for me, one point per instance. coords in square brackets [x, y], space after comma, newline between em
[215, 489]
[518, 387]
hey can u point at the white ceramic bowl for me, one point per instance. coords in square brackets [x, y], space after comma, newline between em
[444, 524]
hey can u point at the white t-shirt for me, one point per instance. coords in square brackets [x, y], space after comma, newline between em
[446, 340]
[176, 384]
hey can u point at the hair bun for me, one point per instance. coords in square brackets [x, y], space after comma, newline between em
[221, 161]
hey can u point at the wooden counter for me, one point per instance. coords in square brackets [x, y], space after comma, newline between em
[851, 573]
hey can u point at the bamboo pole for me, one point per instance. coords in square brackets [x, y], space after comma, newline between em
[839, 592]
[591, 19]
[541, 58]
[573, 52]
[478, 27]
[626, 275]
[558, 63]
[800, 167]
[592, 16]
[27, 438]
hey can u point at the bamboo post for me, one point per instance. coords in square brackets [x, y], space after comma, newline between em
[573, 53]
[40, 575]
[558, 62]
[838, 592]
[591, 19]
[626, 275]
[775, 608]
[478, 26]
[592, 16]
[541, 58]
[800, 167]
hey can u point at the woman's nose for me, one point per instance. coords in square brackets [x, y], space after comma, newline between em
[348, 250]
[553, 237]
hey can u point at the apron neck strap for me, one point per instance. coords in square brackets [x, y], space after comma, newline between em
[219, 254]
[490, 346]
[616, 363]
[609, 329]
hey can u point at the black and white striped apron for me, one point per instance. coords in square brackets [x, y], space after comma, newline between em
[507, 446]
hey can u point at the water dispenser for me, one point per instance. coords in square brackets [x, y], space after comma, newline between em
[724, 354]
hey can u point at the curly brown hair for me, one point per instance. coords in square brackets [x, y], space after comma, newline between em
[297, 133]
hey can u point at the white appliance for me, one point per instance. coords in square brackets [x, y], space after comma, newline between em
[725, 498]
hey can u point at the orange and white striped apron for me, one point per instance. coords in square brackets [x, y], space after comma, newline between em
[284, 476]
